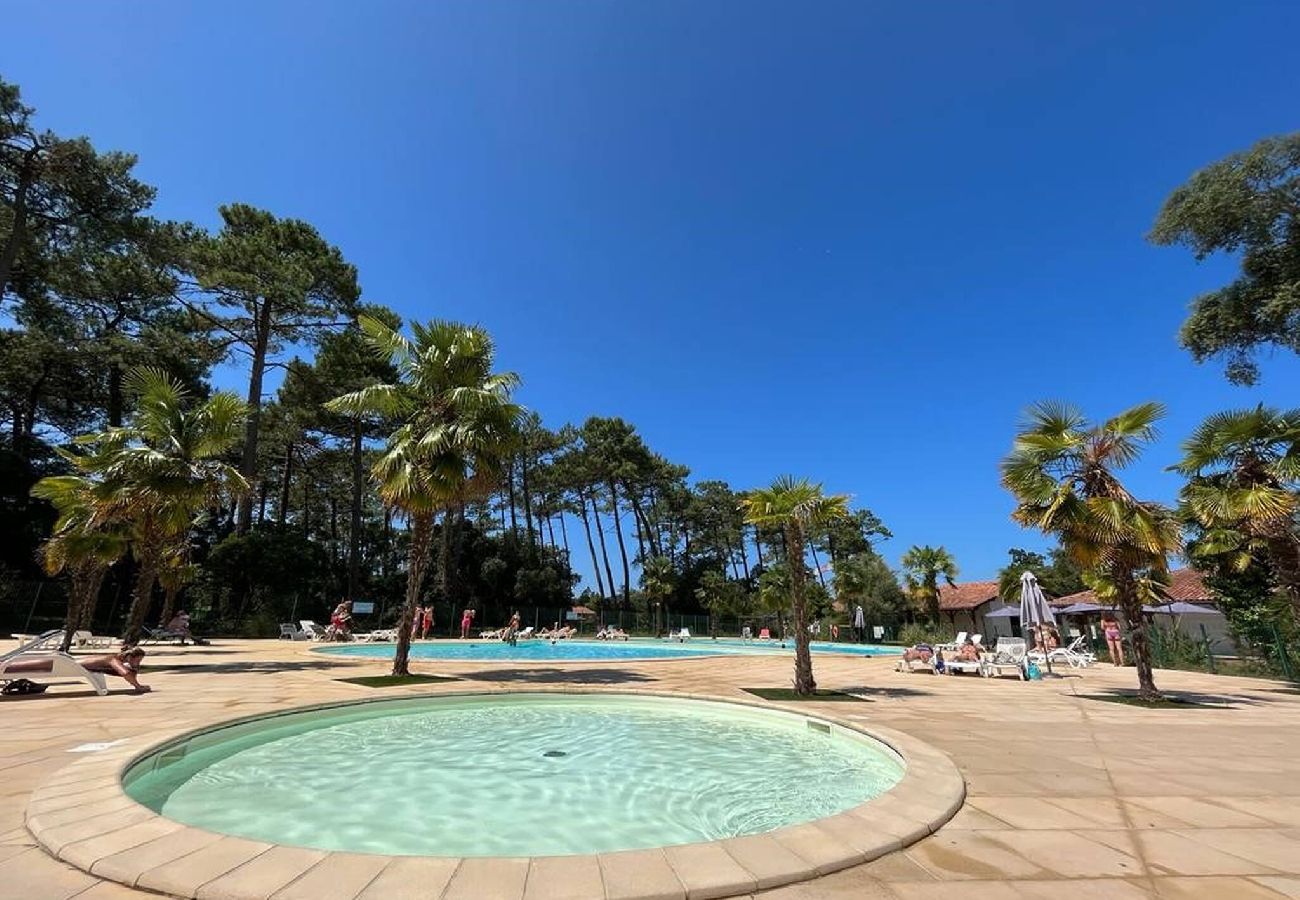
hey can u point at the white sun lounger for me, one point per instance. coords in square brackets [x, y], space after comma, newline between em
[61, 665]
[680, 637]
[314, 632]
[86, 639]
[1008, 658]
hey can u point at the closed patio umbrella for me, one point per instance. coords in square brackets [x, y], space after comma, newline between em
[1035, 611]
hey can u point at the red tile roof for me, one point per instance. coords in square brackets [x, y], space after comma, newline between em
[966, 596]
[1187, 585]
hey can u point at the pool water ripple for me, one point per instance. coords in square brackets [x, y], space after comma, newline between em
[462, 777]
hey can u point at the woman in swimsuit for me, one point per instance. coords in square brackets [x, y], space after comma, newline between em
[426, 623]
[1110, 628]
[124, 665]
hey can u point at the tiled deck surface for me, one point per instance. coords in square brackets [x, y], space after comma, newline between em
[1066, 796]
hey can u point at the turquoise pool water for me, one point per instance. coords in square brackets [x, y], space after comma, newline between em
[513, 775]
[575, 651]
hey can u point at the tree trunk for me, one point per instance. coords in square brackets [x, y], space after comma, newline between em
[604, 551]
[817, 565]
[417, 564]
[261, 503]
[803, 674]
[285, 479]
[591, 547]
[510, 483]
[141, 600]
[564, 535]
[115, 400]
[18, 216]
[83, 591]
[444, 557]
[354, 521]
[169, 603]
[622, 547]
[252, 426]
[1284, 554]
[1139, 639]
[528, 506]
[744, 559]
[550, 529]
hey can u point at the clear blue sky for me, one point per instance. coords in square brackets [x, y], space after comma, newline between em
[846, 240]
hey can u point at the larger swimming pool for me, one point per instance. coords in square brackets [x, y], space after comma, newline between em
[513, 774]
[580, 651]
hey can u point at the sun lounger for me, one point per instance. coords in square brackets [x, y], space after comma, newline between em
[954, 643]
[526, 634]
[86, 639]
[1007, 659]
[1077, 656]
[164, 635]
[314, 632]
[61, 665]
[43, 641]
[930, 665]
[291, 632]
[680, 637]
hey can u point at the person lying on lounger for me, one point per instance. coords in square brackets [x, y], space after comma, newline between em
[918, 653]
[968, 652]
[125, 665]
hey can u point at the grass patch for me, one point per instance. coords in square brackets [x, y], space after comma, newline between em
[789, 694]
[383, 681]
[1168, 701]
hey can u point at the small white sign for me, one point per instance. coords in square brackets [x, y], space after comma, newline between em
[97, 746]
[363, 608]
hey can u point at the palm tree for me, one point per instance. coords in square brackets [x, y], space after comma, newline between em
[657, 582]
[796, 505]
[154, 476]
[80, 545]
[1061, 470]
[1243, 468]
[458, 429]
[922, 568]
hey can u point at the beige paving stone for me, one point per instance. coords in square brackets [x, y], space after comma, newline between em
[411, 878]
[183, 877]
[820, 848]
[339, 876]
[1279, 850]
[84, 854]
[564, 878]
[479, 878]
[869, 842]
[1069, 853]
[1084, 889]
[1286, 886]
[56, 838]
[641, 874]
[1213, 888]
[973, 855]
[1169, 853]
[262, 875]
[768, 861]
[1278, 810]
[128, 865]
[708, 871]
[1199, 813]
[35, 874]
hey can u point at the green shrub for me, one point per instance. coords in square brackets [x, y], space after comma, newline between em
[923, 633]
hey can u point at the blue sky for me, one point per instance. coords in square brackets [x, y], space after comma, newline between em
[845, 240]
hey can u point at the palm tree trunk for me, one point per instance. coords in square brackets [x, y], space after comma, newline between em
[591, 547]
[169, 603]
[141, 600]
[622, 547]
[1139, 640]
[417, 564]
[804, 683]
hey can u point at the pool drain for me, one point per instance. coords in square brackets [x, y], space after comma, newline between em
[554, 754]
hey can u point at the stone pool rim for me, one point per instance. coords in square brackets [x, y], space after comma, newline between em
[130, 844]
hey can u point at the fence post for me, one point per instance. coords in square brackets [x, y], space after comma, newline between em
[1209, 656]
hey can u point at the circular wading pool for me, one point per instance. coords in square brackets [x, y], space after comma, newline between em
[513, 774]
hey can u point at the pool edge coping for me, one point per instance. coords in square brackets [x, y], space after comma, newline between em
[930, 792]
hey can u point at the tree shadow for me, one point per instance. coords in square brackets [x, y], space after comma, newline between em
[252, 666]
[558, 676]
[1177, 699]
[887, 692]
[70, 695]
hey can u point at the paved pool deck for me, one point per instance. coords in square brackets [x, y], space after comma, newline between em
[1065, 795]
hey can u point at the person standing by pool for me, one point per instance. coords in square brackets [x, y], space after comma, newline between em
[511, 634]
[859, 624]
[1110, 628]
[466, 620]
[426, 621]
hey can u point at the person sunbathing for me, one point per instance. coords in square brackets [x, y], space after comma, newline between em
[968, 652]
[918, 653]
[125, 665]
